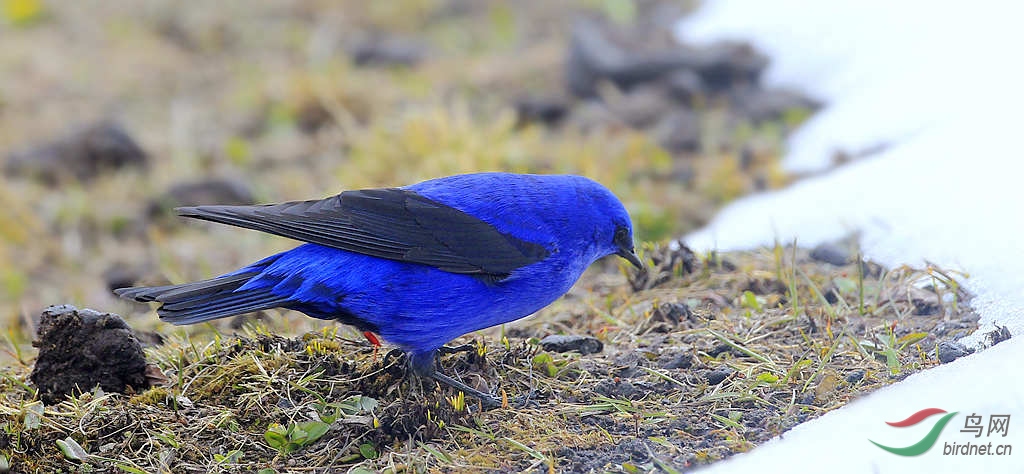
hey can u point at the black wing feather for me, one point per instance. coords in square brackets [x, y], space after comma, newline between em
[392, 223]
[205, 300]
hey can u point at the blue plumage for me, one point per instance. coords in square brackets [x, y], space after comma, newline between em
[419, 265]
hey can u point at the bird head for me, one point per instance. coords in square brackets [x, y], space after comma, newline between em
[612, 227]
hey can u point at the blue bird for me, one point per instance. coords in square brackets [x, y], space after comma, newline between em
[419, 265]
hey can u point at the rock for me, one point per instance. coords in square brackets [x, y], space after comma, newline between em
[830, 252]
[831, 294]
[546, 110]
[673, 312]
[761, 105]
[82, 155]
[666, 317]
[855, 376]
[951, 350]
[593, 116]
[997, 335]
[685, 86]
[594, 57]
[682, 361]
[717, 376]
[582, 344]
[80, 349]
[388, 52]
[679, 131]
[642, 106]
[201, 192]
[627, 365]
[621, 389]
[312, 116]
[726, 64]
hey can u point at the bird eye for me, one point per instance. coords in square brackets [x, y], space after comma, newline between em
[621, 236]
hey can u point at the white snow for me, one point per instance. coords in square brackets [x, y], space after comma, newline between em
[941, 85]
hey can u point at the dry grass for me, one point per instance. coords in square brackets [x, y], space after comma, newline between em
[714, 360]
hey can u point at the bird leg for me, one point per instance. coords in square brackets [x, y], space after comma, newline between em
[487, 400]
[422, 364]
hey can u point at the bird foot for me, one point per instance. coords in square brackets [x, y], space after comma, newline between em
[525, 400]
[487, 400]
[445, 350]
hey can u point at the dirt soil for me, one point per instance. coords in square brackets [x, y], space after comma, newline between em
[79, 350]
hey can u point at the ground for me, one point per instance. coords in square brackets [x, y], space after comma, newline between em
[111, 113]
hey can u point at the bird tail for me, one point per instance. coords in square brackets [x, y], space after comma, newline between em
[205, 300]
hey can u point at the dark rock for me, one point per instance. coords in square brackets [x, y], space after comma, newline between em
[666, 262]
[635, 448]
[723, 348]
[764, 286]
[871, 269]
[951, 350]
[830, 252]
[717, 376]
[80, 349]
[582, 344]
[970, 318]
[757, 418]
[831, 294]
[82, 155]
[619, 389]
[682, 361]
[388, 52]
[997, 335]
[728, 63]
[594, 57]
[673, 312]
[628, 365]
[855, 376]
[591, 116]
[597, 53]
[679, 131]
[761, 105]
[202, 192]
[312, 116]
[685, 86]
[746, 158]
[546, 110]
[666, 317]
[642, 107]
[927, 306]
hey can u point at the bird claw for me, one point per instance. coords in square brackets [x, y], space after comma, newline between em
[397, 354]
[445, 350]
[525, 400]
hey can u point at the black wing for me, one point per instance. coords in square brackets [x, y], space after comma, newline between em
[392, 223]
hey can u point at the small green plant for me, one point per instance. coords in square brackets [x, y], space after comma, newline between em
[544, 362]
[231, 457]
[889, 346]
[368, 451]
[295, 436]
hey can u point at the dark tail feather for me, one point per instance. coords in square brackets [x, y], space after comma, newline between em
[205, 300]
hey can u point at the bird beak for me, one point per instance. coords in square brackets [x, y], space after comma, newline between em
[630, 256]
